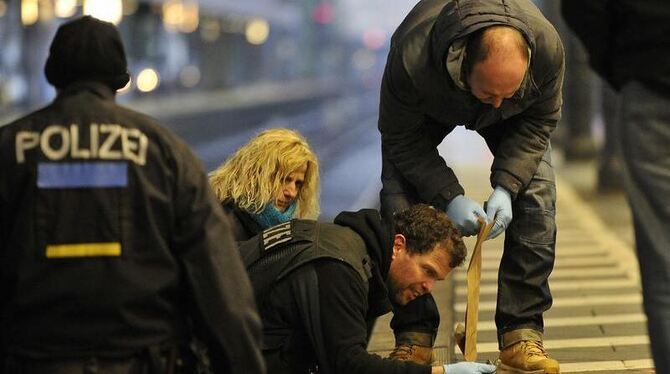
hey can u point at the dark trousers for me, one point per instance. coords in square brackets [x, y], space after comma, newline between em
[527, 261]
[644, 143]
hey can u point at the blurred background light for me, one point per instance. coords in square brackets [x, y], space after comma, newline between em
[106, 10]
[374, 38]
[172, 14]
[65, 8]
[189, 76]
[257, 31]
[190, 17]
[29, 12]
[147, 80]
[181, 16]
[323, 13]
[3, 8]
[46, 10]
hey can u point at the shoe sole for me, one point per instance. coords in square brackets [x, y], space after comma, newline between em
[504, 369]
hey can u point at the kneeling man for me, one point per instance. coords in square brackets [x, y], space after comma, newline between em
[320, 286]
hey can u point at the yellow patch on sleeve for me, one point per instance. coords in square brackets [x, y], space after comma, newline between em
[84, 250]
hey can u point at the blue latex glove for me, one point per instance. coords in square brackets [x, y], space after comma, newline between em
[499, 210]
[464, 214]
[465, 367]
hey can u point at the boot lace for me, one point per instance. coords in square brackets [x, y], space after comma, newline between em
[534, 348]
[402, 352]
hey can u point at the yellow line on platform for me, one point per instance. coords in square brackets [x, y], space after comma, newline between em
[610, 319]
[563, 273]
[565, 302]
[577, 285]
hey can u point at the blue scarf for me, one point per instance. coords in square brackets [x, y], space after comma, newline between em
[270, 216]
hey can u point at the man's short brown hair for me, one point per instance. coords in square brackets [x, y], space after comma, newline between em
[424, 227]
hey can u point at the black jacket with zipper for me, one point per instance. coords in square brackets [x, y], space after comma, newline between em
[111, 240]
[418, 90]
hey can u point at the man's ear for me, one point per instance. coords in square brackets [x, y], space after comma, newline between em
[399, 244]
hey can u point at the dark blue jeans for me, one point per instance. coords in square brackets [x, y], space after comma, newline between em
[527, 261]
[645, 137]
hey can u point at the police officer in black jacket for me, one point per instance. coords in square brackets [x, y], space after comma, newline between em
[320, 286]
[114, 251]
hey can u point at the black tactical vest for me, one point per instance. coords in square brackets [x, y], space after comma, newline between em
[277, 251]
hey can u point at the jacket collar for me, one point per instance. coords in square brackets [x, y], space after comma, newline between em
[96, 88]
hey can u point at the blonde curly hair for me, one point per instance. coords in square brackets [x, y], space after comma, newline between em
[256, 171]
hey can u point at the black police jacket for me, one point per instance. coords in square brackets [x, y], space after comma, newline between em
[319, 287]
[111, 239]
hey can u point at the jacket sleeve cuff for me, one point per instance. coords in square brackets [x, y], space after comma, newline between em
[508, 181]
[447, 194]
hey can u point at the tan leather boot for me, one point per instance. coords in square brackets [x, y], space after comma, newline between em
[414, 353]
[523, 353]
[413, 346]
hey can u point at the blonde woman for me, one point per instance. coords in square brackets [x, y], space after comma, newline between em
[268, 181]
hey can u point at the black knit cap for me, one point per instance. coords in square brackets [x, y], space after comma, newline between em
[87, 49]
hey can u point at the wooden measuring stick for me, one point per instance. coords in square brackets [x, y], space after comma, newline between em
[473, 277]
